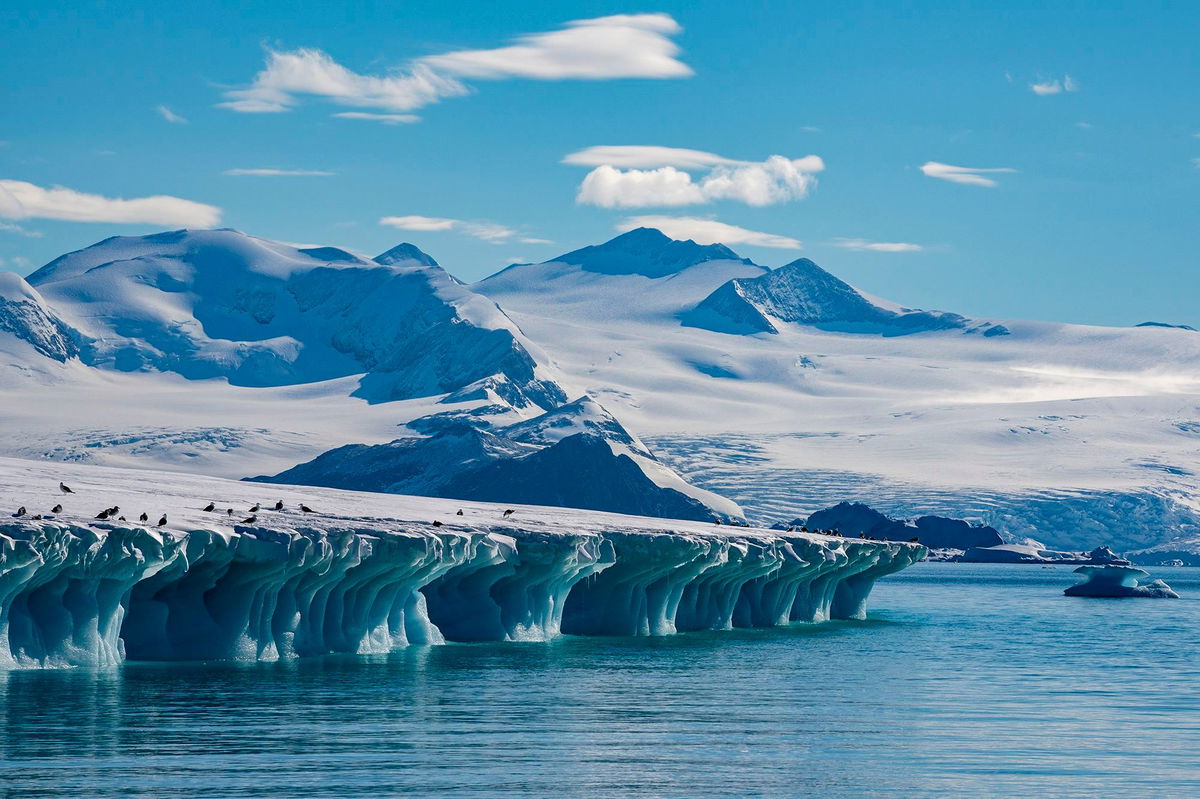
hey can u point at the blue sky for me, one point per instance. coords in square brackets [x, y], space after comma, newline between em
[833, 131]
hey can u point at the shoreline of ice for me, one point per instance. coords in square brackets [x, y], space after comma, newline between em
[372, 573]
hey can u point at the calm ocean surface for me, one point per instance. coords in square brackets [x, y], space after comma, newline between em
[966, 681]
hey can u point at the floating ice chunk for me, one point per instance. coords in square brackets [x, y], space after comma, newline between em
[1118, 581]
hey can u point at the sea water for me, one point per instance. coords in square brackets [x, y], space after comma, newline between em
[965, 681]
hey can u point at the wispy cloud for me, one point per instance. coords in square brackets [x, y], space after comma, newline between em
[1049, 86]
[641, 176]
[386, 119]
[21, 200]
[9, 227]
[863, 245]
[604, 48]
[708, 231]
[279, 173]
[170, 116]
[971, 176]
[480, 229]
[16, 262]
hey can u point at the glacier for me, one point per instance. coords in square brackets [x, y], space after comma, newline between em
[369, 573]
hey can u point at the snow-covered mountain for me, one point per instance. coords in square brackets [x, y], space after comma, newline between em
[788, 391]
[219, 303]
[804, 293]
[785, 390]
[575, 456]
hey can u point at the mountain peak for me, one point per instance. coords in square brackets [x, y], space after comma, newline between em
[646, 251]
[405, 253]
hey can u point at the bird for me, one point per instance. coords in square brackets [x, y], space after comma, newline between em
[114, 510]
[66, 489]
[251, 519]
[279, 504]
[143, 517]
[508, 512]
[254, 509]
[305, 509]
[56, 509]
[460, 513]
[163, 520]
[20, 512]
[120, 518]
[209, 508]
[717, 522]
[36, 517]
[229, 511]
[914, 540]
[791, 529]
[104, 514]
[436, 523]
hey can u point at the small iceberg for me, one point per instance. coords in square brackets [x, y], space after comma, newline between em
[1118, 581]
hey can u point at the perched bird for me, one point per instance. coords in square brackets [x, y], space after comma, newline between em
[305, 509]
[460, 513]
[509, 512]
[255, 508]
[143, 517]
[717, 522]
[56, 509]
[120, 518]
[792, 529]
[36, 517]
[66, 489]
[20, 512]
[804, 529]
[229, 511]
[436, 523]
[251, 519]
[209, 508]
[114, 510]
[914, 540]
[104, 514]
[163, 520]
[279, 504]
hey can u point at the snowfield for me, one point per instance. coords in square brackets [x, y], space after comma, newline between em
[773, 392]
[364, 572]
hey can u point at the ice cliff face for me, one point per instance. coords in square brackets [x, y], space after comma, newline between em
[25, 315]
[575, 456]
[367, 573]
[222, 304]
[804, 293]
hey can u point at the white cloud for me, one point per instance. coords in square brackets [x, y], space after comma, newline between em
[386, 119]
[487, 231]
[170, 116]
[1054, 86]
[708, 231]
[532, 240]
[863, 245]
[970, 176]
[644, 156]
[621, 46]
[662, 182]
[279, 173]
[307, 71]
[21, 200]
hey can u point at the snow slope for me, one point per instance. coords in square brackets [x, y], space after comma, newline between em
[363, 572]
[575, 456]
[219, 303]
[1077, 435]
[1074, 435]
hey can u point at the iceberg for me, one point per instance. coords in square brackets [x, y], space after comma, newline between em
[370, 573]
[1118, 582]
